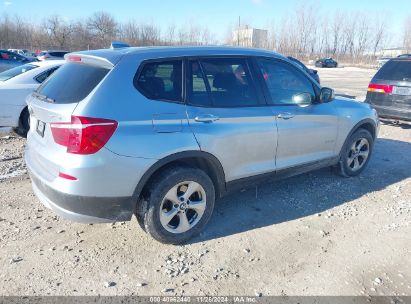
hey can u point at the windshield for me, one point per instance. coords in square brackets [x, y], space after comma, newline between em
[6, 75]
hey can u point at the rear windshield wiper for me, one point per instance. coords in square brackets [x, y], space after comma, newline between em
[43, 97]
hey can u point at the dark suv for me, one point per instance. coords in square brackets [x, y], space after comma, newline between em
[390, 90]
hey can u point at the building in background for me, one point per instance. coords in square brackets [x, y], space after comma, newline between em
[392, 52]
[250, 37]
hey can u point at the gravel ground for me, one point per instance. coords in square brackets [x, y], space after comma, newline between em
[314, 234]
[350, 81]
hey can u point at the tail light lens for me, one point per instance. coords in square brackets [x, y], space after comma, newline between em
[83, 135]
[380, 88]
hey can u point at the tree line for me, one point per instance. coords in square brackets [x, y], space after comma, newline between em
[304, 33]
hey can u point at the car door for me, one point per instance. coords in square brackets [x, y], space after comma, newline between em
[307, 129]
[229, 117]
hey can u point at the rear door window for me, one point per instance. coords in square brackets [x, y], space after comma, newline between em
[161, 80]
[228, 81]
[71, 83]
[43, 76]
[198, 94]
[397, 70]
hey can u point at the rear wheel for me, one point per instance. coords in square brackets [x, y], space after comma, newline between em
[356, 153]
[179, 204]
[24, 123]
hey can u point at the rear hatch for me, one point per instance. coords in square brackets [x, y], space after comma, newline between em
[54, 102]
[390, 88]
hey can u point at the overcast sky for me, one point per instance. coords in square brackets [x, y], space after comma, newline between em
[217, 15]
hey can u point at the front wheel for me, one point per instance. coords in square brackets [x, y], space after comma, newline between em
[179, 204]
[356, 153]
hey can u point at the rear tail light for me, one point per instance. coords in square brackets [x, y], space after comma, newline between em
[380, 88]
[83, 135]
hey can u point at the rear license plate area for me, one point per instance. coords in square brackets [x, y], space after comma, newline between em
[41, 126]
[403, 91]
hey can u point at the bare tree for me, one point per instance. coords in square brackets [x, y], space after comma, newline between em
[103, 27]
[170, 35]
[379, 30]
[407, 34]
[58, 31]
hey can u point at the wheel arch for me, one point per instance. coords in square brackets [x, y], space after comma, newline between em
[198, 159]
[21, 114]
[367, 124]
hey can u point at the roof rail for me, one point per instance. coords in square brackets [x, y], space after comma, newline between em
[118, 45]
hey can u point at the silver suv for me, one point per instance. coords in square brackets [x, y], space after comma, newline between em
[163, 132]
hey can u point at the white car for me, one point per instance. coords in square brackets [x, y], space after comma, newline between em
[15, 85]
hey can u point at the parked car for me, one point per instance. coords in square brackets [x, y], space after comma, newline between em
[51, 55]
[313, 73]
[23, 52]
[15, 85]
[326, 63]
[133, 136]
[390, 89]
[10, 60]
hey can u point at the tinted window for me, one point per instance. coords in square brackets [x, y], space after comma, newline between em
[284, 81]
[58, 54]
[197, 88]
[43, 76]
[299, 63]
[72, 82]
[6, 75]
[229, 82]
[10, 56]
[161, 80]
[395, 70]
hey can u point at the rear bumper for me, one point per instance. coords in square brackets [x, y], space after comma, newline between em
[389, 112]
[83, 209]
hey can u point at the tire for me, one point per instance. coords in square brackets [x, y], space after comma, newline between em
[356, 153]
[24, 123]
[166, 205]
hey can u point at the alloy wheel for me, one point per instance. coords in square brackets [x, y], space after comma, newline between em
[183, 207]
[358, 154]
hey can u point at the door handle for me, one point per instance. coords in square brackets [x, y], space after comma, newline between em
[207, 118]
[286, 115]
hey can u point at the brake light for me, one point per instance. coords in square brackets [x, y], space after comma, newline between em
[73, 58]
[380, 88]
[83, 135]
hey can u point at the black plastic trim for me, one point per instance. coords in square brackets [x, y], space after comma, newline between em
[280, 174]
[108, 208]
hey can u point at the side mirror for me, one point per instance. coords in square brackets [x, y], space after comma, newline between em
[302, 99]
[326, 94]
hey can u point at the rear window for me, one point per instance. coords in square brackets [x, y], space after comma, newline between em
[58, 54]
[71, 83]
[397, 70]
[6, 75]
